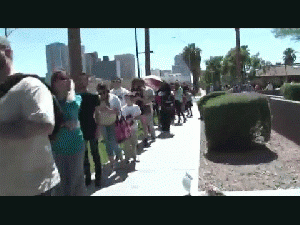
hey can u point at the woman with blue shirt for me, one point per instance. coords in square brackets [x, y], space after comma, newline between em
[68, 147]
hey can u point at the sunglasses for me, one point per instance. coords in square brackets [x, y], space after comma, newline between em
[63, 78]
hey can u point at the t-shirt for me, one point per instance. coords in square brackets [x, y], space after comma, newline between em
[132, 111]
[120, 93]
[189, 96]
[27, 165]
[114, 102]
[86, 112]
[178, 94]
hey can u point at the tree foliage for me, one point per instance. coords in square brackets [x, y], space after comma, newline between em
[192, 57]
[293, 33]
[289, 56]
[229, 63]
[213, 71]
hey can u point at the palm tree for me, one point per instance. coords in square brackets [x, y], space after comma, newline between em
[74, 43]
[289, 56]
[192, 57]
[238, 60]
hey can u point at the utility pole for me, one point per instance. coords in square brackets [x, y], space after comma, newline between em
[74, 44]
[137, 54]
[238, 60]
[147, 52]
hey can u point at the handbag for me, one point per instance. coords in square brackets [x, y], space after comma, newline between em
[123, 129]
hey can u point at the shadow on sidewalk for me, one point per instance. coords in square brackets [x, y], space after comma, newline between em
[111, 177]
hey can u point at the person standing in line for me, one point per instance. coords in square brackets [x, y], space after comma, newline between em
[105, 117]
[131, 112]
[88, 127]
[178, 101]
[118, 90]
[189, 102]
[143, 98]
[26, 119]
[68, 147]
[167, 112]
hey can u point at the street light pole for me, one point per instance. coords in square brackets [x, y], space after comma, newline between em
[147, 52]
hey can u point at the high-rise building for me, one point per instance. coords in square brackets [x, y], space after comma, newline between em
[106, 70]
[90, 60]
[182, 68]
[127, 65]
[57, 56]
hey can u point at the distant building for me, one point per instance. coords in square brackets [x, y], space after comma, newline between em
[165, 72]
[57, 58]
[106, 70]
[280, 73]
[172, 77]
[180, 66]
[155, 72]
[90, 60]
[127, 66]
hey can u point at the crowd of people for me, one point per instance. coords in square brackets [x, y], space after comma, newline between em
[45, 132]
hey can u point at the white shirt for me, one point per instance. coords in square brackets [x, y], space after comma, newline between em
[134, 111]
[27, 166]
[114, 102]
[120, 93]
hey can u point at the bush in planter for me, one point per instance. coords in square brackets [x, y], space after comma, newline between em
[236, 120]
[202, 101]
[291, 91]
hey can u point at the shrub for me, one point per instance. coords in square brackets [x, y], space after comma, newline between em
[236, 120]
[291, 91]
[202, 101]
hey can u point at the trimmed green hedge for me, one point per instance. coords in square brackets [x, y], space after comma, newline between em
[236, 120]
[202, 101]
[291, 91]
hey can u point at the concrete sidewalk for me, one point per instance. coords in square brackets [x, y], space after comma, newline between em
[162, 166]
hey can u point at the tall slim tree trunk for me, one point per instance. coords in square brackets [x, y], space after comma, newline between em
[238, 58]
[74, 44]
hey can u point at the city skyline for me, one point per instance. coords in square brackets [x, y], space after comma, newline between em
[29, 44]
[57, 57]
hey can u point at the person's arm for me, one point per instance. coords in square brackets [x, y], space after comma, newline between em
[37, 113]
[22, 129]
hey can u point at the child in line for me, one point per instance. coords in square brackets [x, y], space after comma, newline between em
[132, 113]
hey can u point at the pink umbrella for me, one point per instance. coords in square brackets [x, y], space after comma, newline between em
[153, 81]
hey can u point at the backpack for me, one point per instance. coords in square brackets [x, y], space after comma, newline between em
[58, 113]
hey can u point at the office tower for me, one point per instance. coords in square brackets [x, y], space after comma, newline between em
[90, 60]
[127, 65]
[106, 70]
[57, 56]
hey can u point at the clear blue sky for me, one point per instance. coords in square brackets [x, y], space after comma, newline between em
[29, 45]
